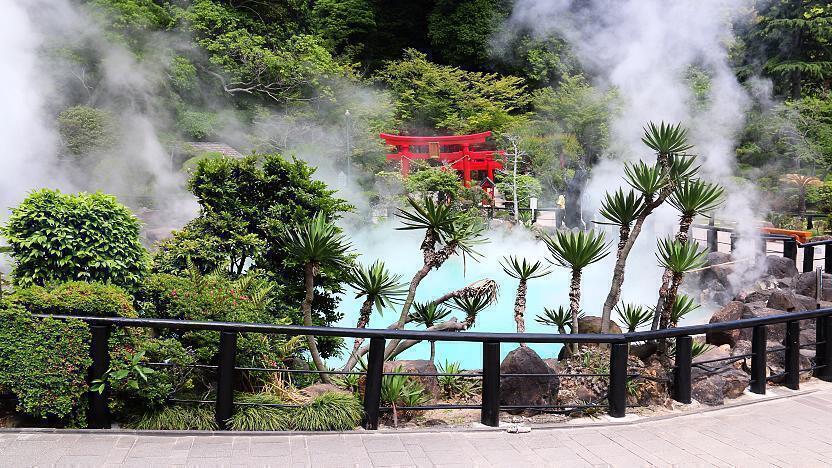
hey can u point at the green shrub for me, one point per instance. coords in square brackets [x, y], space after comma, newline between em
[177, 418]
[85, 129]
[330, 411]
[211, 298]
[44, 362]
[55, 237]
[163, 382]
[76, 298]
[260, 418]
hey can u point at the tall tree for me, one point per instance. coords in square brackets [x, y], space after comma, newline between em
[378, 287]
[315, 245]
[523, 271]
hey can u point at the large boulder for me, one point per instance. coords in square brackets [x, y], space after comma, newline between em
[787, 300]
[780, 267]
[592, 324]
[421, 366]
[776, 363]
[540, 390]
[804, 284]
[776, 332]
[313, 391]
[732, 311]
[712, 382]
[719, 270]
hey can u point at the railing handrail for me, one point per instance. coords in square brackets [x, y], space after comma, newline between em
[476, 337]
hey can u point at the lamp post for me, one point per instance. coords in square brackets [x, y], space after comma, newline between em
[349, 145]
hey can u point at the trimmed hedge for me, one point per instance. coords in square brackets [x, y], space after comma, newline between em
[44, 362]
[77, 298]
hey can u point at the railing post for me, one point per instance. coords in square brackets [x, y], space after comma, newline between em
[759, 359]
[618, 380]
[823, 350]
[792, 378]
[490, 413]
[809, 222]
[827, 258]
[790, 249]
[734, 238]
[681, 374]
[808, 258]
[713, 244]
[99, 414]
[372, 386]
[224, 408]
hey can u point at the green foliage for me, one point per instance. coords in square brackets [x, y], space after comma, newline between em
[666, 139]
[634, 316]
[454, 386]
[76, 298]
[444, 224]
[682, 306]
[522, 269]
[197, 125]
[86, 130]
[430, 180]
[527, 187]
[620, 209]
[399, 390]
[330, 411]
[460, 31]
[183, 74]
[377, 284]
[90, 237]
[319, 243]
[577, 250]
[695, 197]
[449, 99]
[471, 306]
[560, 318]
[428, 313]
[132, 16]
[648, 180]
[343, 24]
[680, 257]
[131, 376]
[44, 362]
[177, 418]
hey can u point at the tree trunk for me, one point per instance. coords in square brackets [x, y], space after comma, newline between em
[667, 311]
[682, 236]
[623, 235]
[575, 301]
[514, 186]
[306, 308]
[363, 320]
[520, 307]
[432, 351]
[801, 200]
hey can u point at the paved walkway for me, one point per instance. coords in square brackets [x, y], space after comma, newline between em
[794, 431]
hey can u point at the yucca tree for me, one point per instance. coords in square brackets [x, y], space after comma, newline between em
[691, 197]
[447, 232]
[621, 210]
[633, 316]
[802, 183]
[655, 183]
[694, 197]
[523, 271]
[315, 245]
[560, 318]
[378, 287]
[429, 314]
[679, 258]
[471, 306]
[576, 251]
[682, 306]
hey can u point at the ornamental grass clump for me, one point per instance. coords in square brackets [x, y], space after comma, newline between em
[177, 418]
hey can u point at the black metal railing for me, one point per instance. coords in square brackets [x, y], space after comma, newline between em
[789, 250]
[490, 376]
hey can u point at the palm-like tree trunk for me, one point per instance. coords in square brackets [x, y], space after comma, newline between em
[520, 308]
[363, 320]
[306, 308]
[432, 351]
[665, 294]
[667, 309]
[575, 301]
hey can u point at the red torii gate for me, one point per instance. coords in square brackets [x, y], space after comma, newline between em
[465, 159]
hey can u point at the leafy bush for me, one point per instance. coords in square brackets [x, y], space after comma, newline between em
[149, 393]
[56, 237]
[44, 362]
[260, 418]
[330, 411]
[85, 129]
[211, 298]
[177, 418]
[76, 298]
